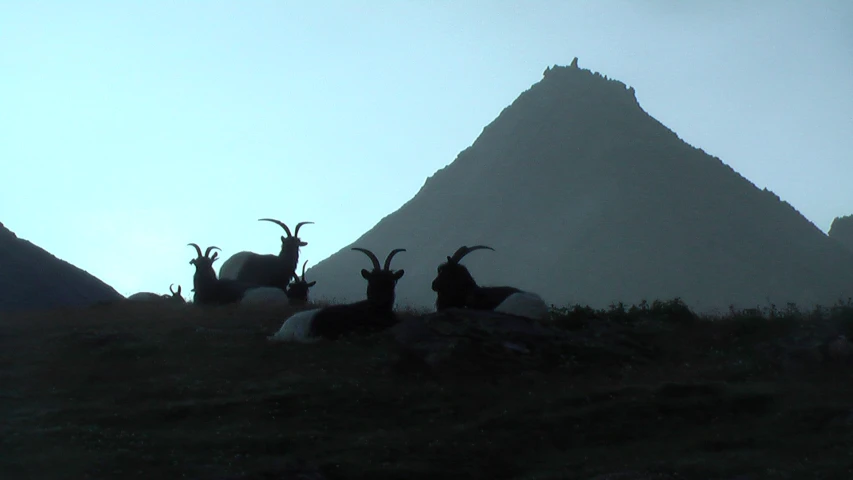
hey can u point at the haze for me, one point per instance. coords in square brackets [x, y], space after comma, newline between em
[128, 129]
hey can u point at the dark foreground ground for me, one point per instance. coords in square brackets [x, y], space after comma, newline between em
[146, 391]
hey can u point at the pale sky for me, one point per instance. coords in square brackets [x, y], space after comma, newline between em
[130, 128]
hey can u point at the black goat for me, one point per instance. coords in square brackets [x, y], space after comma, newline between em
[370, 315]
[210, 290]
[267, 270]
[297, 292]
[456, 288]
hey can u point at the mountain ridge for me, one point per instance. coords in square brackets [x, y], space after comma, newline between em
[33, 278]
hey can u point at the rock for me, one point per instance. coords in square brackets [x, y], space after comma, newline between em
[839, 348]
[633, 476]
[842, 230]
[494, 341]
[805, 351]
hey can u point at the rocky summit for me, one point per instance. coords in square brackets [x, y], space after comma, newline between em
[586, 198]
[32, 278]
[842, 230]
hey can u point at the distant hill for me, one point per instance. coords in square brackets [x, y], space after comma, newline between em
[587, 198]
[842, 230]
[32, 278]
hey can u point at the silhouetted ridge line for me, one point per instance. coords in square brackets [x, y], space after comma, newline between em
[32, 278]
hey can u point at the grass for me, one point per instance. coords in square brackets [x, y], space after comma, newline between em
[171, 391]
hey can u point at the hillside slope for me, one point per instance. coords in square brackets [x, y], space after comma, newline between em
[587, 198]
[32, 278]
[135, 390]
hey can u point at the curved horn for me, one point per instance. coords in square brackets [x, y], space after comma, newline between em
[303, 268]
[197, 248]
[207, 252]
[372, 257]
[298, 225]
[457, 256]
[277, 222]
[171, 290]
[391, 255]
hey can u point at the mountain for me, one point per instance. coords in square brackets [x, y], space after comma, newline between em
[842, 230]
[32, 278]
[588, 199]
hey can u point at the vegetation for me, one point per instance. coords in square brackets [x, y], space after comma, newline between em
[181, 391]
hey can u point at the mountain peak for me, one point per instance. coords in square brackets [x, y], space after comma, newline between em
[587, 198]
[580, 80]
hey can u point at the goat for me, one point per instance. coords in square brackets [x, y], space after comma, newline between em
[374, 314]
[297, 292]
[146, 297]
[456, 288]
[176, 295]
[267, 270]
[210, 290]
[156, 297]
[265, 296]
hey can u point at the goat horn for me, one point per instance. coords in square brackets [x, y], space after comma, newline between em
[391, 255]
[303, 270]
[298, 225]
[372, 257]
[466, 250]
[277, 222]
[171, 289]
[197, 248]
[207, 252]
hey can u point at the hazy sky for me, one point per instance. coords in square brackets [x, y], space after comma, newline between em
[130, 128]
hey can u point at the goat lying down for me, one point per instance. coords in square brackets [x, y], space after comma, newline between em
[456, 288]
[265, 296]
[370, 315]
[175, 296]
[296, 293]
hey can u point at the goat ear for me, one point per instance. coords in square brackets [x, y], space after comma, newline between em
[365, 274]
[311, 284]
[398, 274]
[302, 244]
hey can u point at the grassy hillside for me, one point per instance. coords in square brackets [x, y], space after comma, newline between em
[148, 391]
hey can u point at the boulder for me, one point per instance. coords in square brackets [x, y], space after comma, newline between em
[460, 340]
